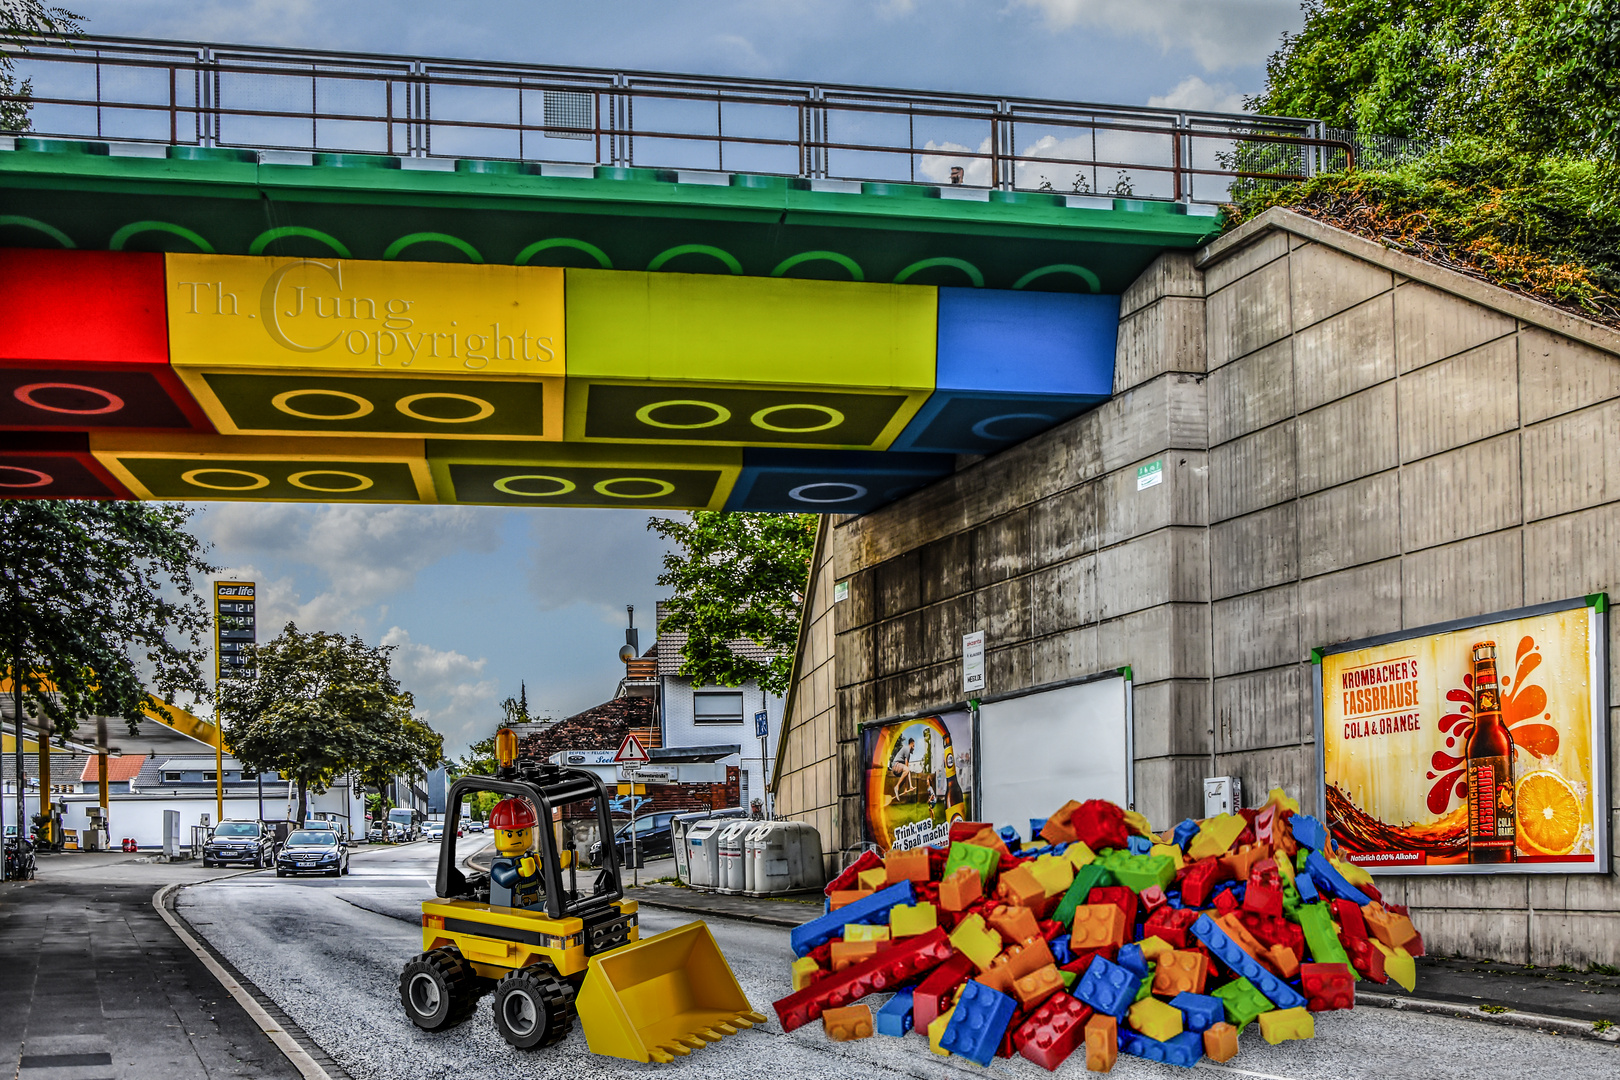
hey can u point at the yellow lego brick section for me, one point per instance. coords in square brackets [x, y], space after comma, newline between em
[351, 315]
[1280, 1025]
[266, 469]
[574, 474]
[705, 327]
[913, 919]
[1155, 1019]
[1215, 835]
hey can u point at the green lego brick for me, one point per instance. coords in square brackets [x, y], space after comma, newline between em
[1320, 936]
[1243, 1002]
[1088, 877]
[1147, 985]
[1138, 872]
[980, 858]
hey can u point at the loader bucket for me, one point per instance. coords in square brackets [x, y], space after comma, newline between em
[662, 997]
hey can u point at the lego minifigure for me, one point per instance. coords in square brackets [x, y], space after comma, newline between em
[514, 876]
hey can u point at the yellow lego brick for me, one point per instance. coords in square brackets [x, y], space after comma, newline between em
[1398, 965]
[865, 932]
[1285, 867]
[976, 941]
[1138, 824]
[804, 971]
[1155, 1019]
[1169, 851]
[875, 878]
[909, 920]
[1216, 836]
[936, 1031]
[1355, 875]
[1280, 1025]
[1079, 854]
[1155, 947]
[1054, 872]
[1282, 800]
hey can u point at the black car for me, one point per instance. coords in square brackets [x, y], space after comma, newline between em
[313, 851]
[242, 843]
[653, 834]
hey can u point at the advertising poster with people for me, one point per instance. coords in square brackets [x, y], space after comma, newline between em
[1478, 748]
[918, 779]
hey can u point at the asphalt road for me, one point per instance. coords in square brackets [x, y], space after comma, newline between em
[329, 952]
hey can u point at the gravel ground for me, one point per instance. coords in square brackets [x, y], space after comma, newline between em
[333, 966]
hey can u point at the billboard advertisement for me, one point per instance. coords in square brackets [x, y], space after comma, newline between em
[919, 778]
[1472, 747]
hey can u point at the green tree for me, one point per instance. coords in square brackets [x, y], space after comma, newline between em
[479, 760]
[321, 705]
[19, 20]
[98, 609]
[736, 578]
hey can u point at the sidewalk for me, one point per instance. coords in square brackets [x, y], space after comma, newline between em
[1589, 999]
[773, 911]
[97, 985]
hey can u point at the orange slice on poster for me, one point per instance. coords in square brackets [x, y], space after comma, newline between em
[1549, 814]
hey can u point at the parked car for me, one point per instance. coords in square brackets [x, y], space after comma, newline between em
[245, 843]
[313, 851]
[653, 835]
[475, 826]
[378, 834]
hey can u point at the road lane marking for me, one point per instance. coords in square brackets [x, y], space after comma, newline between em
[1244, 1072]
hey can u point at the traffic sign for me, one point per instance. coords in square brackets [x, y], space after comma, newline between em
[632, 789]
[762, 724]
[631, 750]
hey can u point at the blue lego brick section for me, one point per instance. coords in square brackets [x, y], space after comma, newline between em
[1108, 988]
[870, 909]
[1329, 879]
[1199, 1011]
[1306, 888]
[1308, 831]
[1229, 953]
[978, 1023]
[1184, 833]
[1009, 836]
[1184, 1050]
[1131, 958]
[830, 481]
[981, 423]
[1013, 342]
[1139, 845]
[895, 1016]
[1060, 950]
[1035, 826]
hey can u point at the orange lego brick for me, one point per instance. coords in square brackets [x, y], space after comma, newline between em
[997, 978]
[1102, 1043]
[1037, 986]
[1220, 1042]
[1021, 887]
[1180, 971]
[988, 837]
[1239, 933]
[1014, 924]
[1286, 963]
[1057, 829]
[852, 1022]
[843, 897]
[958, 891]
[1242, 861]
[1393, 930]
[908, 865]
[1097, 926]
[846, 953]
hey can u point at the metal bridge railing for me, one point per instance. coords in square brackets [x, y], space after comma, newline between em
[131, 90]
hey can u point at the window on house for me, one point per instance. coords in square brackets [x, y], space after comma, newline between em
[717, 708]
[210, 776]
[249, 774]
[172, 777]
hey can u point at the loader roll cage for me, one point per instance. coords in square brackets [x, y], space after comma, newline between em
[549, 788]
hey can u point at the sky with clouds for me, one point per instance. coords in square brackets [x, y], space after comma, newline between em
[476, 599]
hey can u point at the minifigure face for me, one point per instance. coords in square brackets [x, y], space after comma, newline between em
[513, 841]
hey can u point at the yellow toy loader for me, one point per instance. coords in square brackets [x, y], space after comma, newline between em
[572, 951]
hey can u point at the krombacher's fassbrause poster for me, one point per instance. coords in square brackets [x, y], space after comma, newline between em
[1472, 747]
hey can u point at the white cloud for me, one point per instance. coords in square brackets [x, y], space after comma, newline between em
[451, 693]
[1193, 94]
[1220, 33]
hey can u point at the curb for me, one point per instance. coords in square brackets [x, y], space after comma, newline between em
[1510, 1017]
[698, 909]
[287, 1036]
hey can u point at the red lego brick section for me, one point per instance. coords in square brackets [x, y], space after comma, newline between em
[1198, 881]
[884, 971]
[1327, 986]
[927, 999]
[1120, 897]
[1172, 926]
[844, 882]
[1351, 922]
[1053, 1031]
[1100, 824]
[1366, 958]
[86, 307]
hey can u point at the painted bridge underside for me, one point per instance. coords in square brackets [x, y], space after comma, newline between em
[204, 325]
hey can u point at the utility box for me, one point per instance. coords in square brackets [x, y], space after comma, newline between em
[171, 834]
[1222, 795]
[703, 853]
[783, 857]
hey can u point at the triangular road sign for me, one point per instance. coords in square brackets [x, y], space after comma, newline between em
[631, 751]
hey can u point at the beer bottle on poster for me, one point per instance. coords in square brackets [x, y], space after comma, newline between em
[1492, 817]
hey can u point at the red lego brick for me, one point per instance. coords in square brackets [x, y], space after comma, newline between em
[1262, 900]
[1121, 897]
[885, 971]
[1152, 899]
[1171, 925]
[1372, 893]
[1351, 922]
[927, 999]
[846, 881]
[1051, 928]
[1327, 987]
[1367, 958]
[1053, 1031]
[962, 831]
[1199, 880]
[1265, 873]
[1100, 824]
[1226, 902]
[1270, 930]
[1415, 945]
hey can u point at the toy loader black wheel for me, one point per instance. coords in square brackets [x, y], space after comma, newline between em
[438, 989]
[533, 1008]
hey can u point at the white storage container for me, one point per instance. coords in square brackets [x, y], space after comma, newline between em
[753, 844]
[732, 871]
[786, 857]
[703, 853]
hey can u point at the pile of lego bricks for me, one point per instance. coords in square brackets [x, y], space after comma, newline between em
[1101, 933]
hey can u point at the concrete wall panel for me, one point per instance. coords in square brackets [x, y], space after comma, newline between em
[1353, 523]
[1245, 261]
[1348, 352]
[1252, 472]
[1461, 580]
[1572, 461]
[1262, 709]
[1324, 283]
[1248, 314]
[1461, 400]
[1561, 375]
[1460, 493]
[1254, 552]
[1349, 605]
[1164, 567]
[1256, 630]
[1173, 273]
[1171, 718]
[1254, 392]
[1431, 325]
[1167, 335]
[1347, 439]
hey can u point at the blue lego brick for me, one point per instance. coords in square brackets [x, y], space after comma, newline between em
[1184, 1050]
[1229, 953]
[895, 1016]
[1131, 959]
[1199, 1011]
[1060, 950]
[1139, 845]
[1026, 342]
[1108, 988]
[1307, 889]
[1236, 888]
[1329, 879]
[1035, 826]
[1185, 832]
[1009, 836]
[830, 481]
[979, 1022]
[1309, 832]
[870, 909]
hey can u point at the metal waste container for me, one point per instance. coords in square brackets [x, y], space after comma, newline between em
[703, 853]
[784, 857]
[732, 868]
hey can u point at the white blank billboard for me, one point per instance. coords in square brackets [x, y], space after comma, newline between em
[1040, 750]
